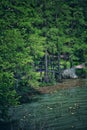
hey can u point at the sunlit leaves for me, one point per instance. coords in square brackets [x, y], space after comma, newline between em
[37, 45]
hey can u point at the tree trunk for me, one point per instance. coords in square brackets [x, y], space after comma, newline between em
[46, 79]
[71, 62]
[53, 72]
[41, 78]
[59, 68]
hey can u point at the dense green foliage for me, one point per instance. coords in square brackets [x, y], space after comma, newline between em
[8, 96]
[30, 32]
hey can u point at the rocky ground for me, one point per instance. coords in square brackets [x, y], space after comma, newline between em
[66, 83]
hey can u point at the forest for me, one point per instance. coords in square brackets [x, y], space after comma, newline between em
[38, 40]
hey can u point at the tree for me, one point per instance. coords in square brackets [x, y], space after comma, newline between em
[8, 96]
[33, 31]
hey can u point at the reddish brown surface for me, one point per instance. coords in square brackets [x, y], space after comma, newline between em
[65, 84]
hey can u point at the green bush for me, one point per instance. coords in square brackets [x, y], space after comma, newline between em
[27, 90]
[8, 95]
[82, 73]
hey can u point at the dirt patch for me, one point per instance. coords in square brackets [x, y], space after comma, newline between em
[67, 83]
